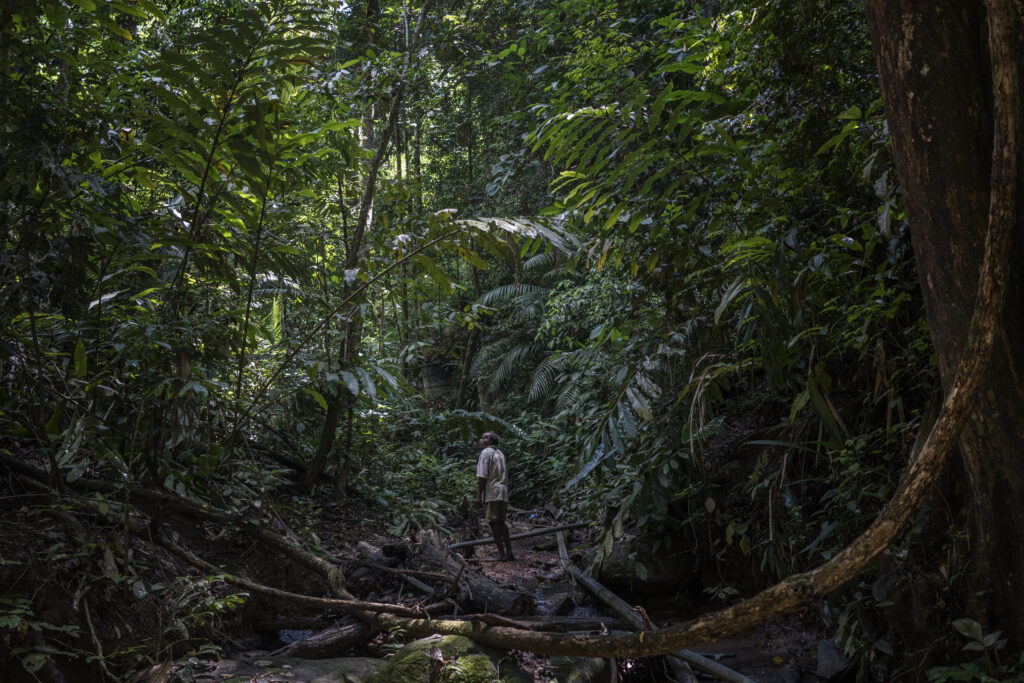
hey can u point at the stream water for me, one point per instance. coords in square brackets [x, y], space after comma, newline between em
[562, 599]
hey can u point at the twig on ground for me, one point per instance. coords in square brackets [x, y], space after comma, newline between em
[99, 646]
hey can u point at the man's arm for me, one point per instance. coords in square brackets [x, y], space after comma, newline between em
[482, 471]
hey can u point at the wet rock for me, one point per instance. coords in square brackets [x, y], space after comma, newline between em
[342, 670]
[565, 606]
[789, 674]
[830, 659]
[527, 582]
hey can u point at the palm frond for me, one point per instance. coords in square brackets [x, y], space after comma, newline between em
[530, 229]
[568, 399]
[545, 376]
[629, 407]
[487, 353]
[510, 293]
[511, 361]
[589, 357]
[545, 264]
[470, 423]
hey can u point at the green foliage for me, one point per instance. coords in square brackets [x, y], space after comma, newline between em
[704, 322]
[860, 631]
[987, 667]
[194, 607]
[420, 487]
[18, 622]
[745, 254]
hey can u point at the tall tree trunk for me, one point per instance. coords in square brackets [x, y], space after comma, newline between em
[354, 246]
[943, 106]
[418, 165]
[357, 245]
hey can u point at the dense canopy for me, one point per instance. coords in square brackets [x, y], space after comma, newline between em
[709, 269]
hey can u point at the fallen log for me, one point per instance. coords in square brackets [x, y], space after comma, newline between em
[677, 660]
[552, 622]
[516, 537]
[330, 643]
[484, 595]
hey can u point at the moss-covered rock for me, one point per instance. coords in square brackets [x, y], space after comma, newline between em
[579, 669]
[452, 659]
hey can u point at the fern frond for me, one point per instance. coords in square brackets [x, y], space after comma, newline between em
[473, 422]
[588, 357]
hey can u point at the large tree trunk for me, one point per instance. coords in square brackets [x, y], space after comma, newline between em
[938, 74]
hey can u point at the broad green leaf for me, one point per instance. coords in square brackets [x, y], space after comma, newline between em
[52, 426]
[970, 628]
[659, 106]
[472, 258]
[317, 396]
[80, 359]
[350, 382]
[613, 217]
[367, 382]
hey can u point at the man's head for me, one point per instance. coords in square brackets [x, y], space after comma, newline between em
[488, 439]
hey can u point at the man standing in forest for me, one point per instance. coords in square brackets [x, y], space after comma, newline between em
[492, 491]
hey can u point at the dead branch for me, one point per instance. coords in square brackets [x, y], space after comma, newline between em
[332, 575]
[497, 620]
[328, 643]
[516, 537]
[99, 646]
[358, 608]
[408, 572]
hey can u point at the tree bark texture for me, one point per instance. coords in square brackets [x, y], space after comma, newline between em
[329, 643]
[950, 75]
